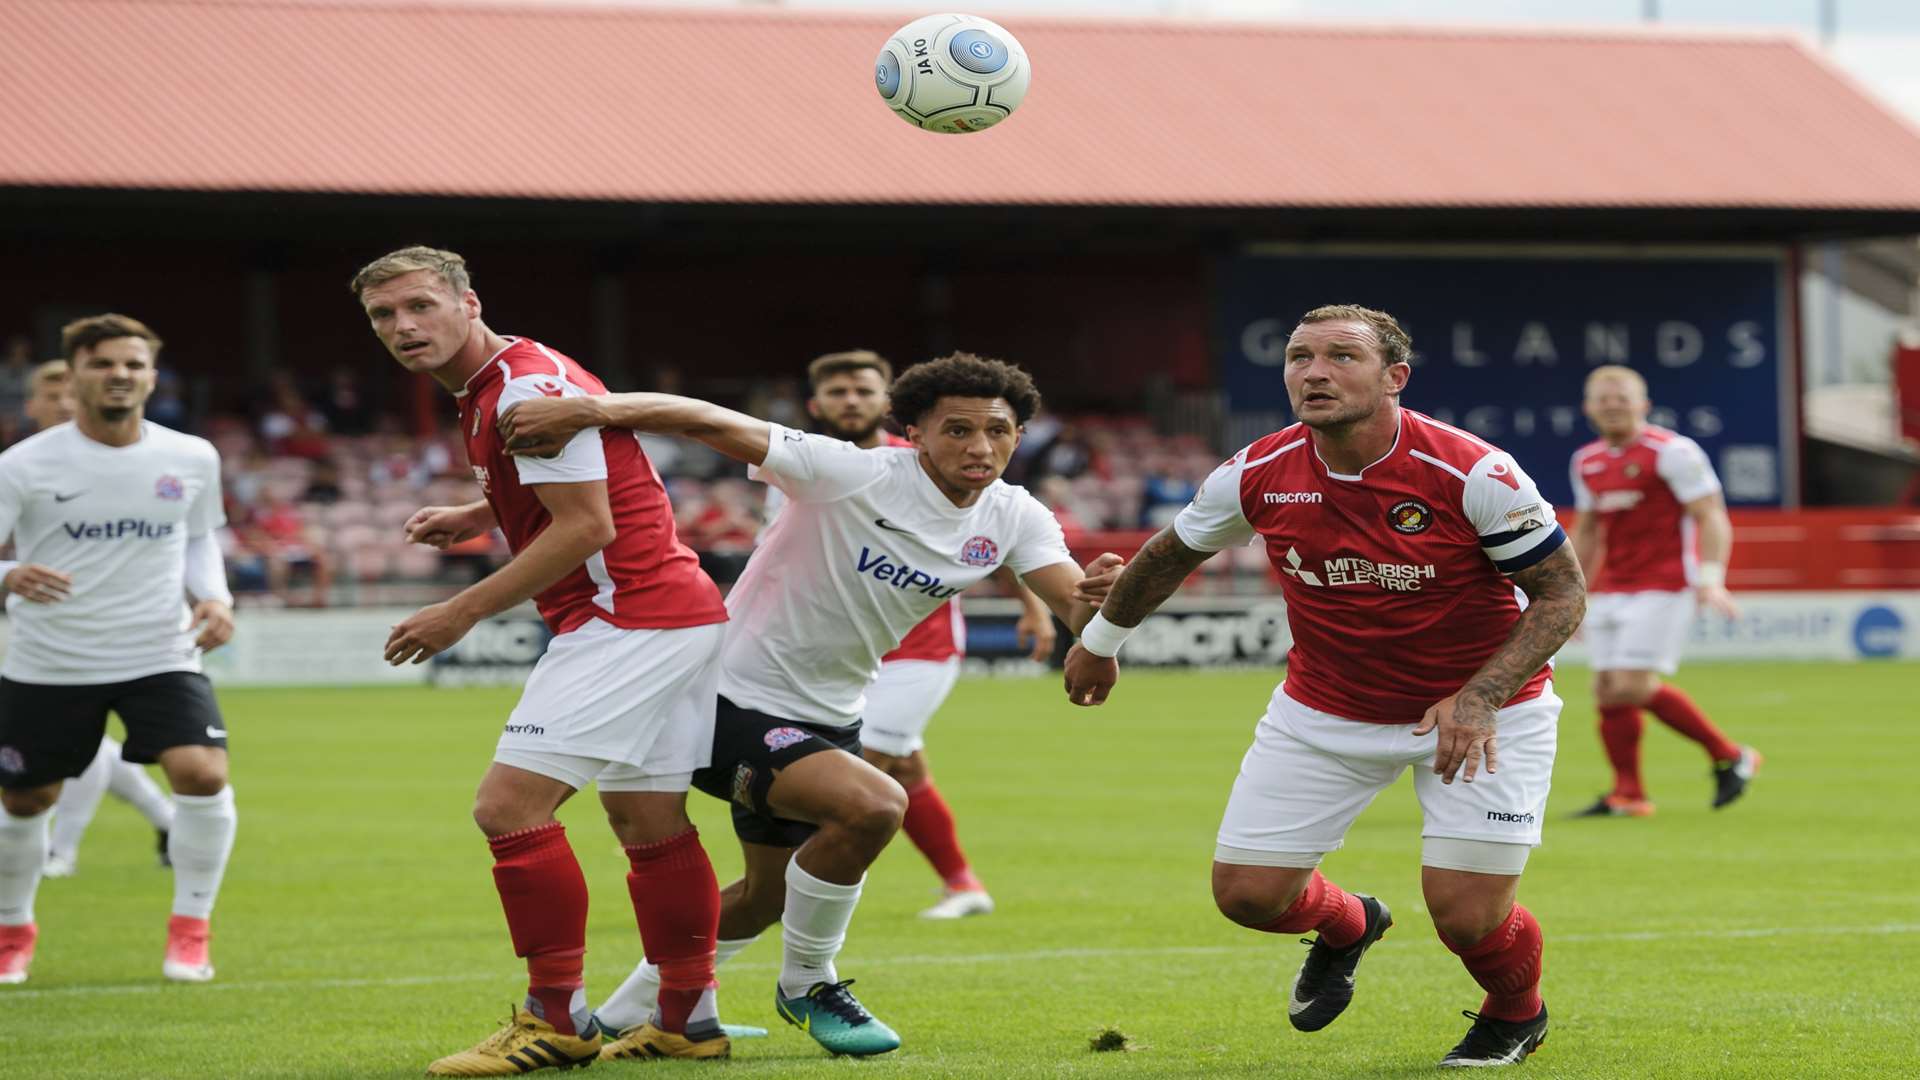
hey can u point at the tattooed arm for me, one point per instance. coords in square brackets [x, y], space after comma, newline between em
[1557, 600]
[1153, 575]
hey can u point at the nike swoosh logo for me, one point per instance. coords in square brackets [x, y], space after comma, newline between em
[59, 498]
[888, 525]
[216, 732]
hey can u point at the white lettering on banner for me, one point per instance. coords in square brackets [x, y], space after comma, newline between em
[1464, 353]
[1499, 421]
[1259, 634]
[1748, 350]
[1536, 344]
[1264, 343]
[1607, 343]
[1677, 344]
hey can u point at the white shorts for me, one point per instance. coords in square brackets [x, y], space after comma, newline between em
[631, 709]
[1638, 631]
[1309, 774]
[902, 701]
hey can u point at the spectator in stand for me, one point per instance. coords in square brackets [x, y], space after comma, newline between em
[16, 368]
[276, 532]
[291, 427]
[345, 405]
[1166, 491]
[166, 407]
[1056, 494]
[728, 523]
[323, 483]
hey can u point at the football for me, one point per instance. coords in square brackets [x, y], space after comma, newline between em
[953, 74]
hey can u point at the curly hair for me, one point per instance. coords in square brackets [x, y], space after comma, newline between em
[962, 374]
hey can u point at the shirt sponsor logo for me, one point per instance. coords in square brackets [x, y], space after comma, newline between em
[1280, 498]
[979, 551]
[902, 576]
[782, 737]
[1529, 518]
[1612, 502]
[134, 528]
[1517, 819]
[480, 476]
[169, 488]
[1410, 516]
[1352, 570]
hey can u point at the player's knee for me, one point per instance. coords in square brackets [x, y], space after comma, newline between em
[875, 811]
[1466, 920]
[29, 802]
[497, 817]
[200, 778]
[1250, 905]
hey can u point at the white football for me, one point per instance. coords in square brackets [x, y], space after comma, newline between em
[952, 73]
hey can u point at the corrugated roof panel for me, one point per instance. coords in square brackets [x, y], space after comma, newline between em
[665, 105]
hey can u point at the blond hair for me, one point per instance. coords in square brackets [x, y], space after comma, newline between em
[446, 265]
[1615, 371]
[1396, 345]
[47, 374]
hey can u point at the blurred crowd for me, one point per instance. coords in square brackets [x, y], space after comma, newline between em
[318, 485]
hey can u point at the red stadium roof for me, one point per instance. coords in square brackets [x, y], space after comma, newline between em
[705, 106]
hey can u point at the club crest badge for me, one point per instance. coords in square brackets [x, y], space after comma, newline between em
[980, 551]
[11, 760]
[1410, 516]
[782, 737]
[170, 488]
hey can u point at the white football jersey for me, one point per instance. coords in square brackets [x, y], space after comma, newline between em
[865, 548]
[116, 518]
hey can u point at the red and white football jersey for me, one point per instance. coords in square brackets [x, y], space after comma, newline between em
[1394, 577]
[646, 578]
[1640, 491]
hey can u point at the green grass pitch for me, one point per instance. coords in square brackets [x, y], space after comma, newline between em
[359, 934]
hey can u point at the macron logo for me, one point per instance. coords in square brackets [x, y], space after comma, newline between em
[1518, 819]
[1272, 498]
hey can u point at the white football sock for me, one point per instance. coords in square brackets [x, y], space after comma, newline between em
[813, 929]
[636, 999]
[79, 800]
[203, 827]
[132, 783]
[23, 851]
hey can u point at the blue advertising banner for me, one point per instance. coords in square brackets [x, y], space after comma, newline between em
[1504, 344]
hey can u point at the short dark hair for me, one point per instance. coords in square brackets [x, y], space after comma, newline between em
[94, 329]
[840, 363]
[962, 374]
[1396, 345]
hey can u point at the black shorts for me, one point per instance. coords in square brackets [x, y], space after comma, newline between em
[748, 748]
[50, 733]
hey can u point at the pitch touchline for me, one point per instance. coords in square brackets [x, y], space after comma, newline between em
[935, 960]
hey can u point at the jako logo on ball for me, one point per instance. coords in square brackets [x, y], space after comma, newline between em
[952, 73]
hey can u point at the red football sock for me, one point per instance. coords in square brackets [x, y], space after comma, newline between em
[676, 901]
[1337, 914]
[545, 897]
[929, 824]
[1676, 710]
[1620, 730]
[1507, 964]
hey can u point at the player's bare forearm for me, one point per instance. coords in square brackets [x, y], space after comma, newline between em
[1713, 528]
[1556, 602]
[545, 424]
[582, 524]
[1054, 585]
[1154, 575]
[1585, 537]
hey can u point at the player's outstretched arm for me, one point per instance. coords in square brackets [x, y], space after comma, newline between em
[541, 427]
[582, 524]
[1154, 575]
[1556, 602]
